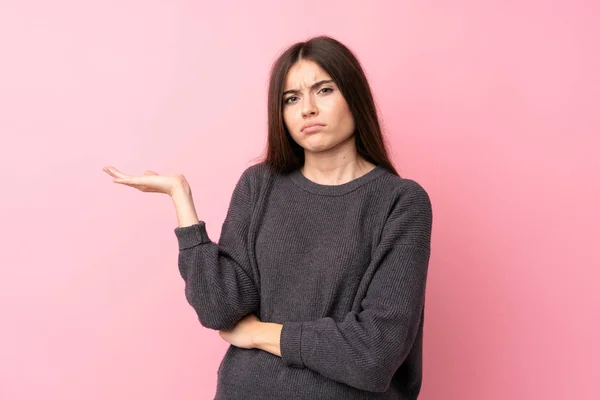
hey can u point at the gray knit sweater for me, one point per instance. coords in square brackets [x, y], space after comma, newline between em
[342, 267]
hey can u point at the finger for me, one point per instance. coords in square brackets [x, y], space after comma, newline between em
[115, 173]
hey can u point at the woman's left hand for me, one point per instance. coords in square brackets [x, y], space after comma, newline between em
[243, 333]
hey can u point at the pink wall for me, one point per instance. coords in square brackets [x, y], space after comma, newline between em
[492, 106]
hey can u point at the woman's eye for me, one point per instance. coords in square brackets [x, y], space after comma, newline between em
[293, 99]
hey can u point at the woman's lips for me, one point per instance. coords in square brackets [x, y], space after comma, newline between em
[313, 128]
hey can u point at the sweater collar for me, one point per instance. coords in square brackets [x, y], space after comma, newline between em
[335, 190]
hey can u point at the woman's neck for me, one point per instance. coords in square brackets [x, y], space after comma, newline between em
[335, 171]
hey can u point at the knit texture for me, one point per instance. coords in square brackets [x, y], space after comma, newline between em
[342, 267]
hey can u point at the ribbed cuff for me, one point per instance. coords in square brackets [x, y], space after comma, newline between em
[190, 236]
[290, 344]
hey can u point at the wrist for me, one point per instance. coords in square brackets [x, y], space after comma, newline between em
[182, 190]
[267, 337]
[181, 196]
[258, 335]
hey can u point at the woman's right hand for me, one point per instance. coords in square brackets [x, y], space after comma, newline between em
[150, 181]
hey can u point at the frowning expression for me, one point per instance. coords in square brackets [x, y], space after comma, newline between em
[314, 110]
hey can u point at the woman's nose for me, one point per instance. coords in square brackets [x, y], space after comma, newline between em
[309, 107]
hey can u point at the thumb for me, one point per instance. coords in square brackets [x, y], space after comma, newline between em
[148, 172]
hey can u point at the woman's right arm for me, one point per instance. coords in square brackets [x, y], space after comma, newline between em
[218, 280]
[218, 277]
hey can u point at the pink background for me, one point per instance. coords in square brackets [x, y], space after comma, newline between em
[492, 106]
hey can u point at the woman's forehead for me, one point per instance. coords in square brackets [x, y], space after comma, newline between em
[304, 74]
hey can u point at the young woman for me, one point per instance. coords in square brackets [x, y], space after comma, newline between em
[318, 278]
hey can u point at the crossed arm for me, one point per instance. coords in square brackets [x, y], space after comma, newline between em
[364, 349]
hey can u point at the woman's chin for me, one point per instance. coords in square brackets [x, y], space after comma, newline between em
[316, 147]
[316, 141]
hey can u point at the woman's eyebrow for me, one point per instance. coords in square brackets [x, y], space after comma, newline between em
[314, 85]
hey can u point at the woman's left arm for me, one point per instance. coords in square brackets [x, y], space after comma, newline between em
[375, 336]
[365, 349]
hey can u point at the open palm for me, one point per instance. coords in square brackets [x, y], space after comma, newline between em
[149, 182]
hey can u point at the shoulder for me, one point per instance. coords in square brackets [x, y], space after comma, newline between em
[411, 192]
[406, 192]
[258, 169]
[256, 174]
[409, 212]
[253, 180]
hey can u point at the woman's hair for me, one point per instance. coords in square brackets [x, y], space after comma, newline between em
[283, 154]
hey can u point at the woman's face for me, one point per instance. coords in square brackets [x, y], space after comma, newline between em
[311, 97]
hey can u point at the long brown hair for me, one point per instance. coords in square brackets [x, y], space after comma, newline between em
[283, 154]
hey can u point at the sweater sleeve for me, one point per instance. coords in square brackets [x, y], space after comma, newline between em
[218, 278]
[365, 349]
